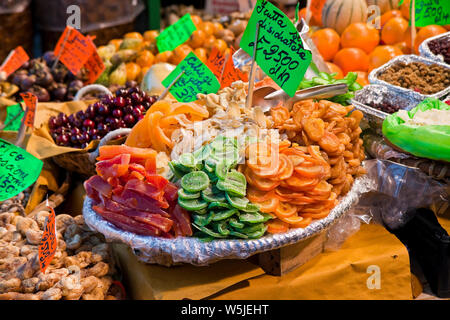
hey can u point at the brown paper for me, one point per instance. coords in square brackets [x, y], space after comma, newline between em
[340, 274]
[150, 282]
[41, 144]
[4, 103]
[332, 275]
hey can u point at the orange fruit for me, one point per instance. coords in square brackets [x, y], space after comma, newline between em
[134, 35]
[382, 54]
[403, 47]
[360, 35]
[209, 43]
[202, 54]
[145, 58]
[196, 19]
[351, 59]
[394, 30]
[221, 45]
[217, 28]
[151, 35]
[196, 39]
[207, 27]
[362, 78]
[164, 56]
[133, 70]
[385, 17]
[180, 53]
[404, 8]
[335, 69]
[447, 27]
[425, 33]
[327, 42]
[116, 43]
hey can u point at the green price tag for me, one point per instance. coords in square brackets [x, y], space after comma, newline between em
[197, 78]
[279, 51]
[176, 34]
[18, 170]
[11, 112]
[432, 12]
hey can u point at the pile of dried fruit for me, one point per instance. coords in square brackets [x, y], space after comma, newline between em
[129, 193]
[81, 269]
[441, 46]
[214, 193]
[334, 129]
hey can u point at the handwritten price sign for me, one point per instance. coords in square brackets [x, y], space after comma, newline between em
[197, 78]
[176, 34]
[31, 102]
[48, 244]
[15, 60]
[223, 68]
[279, 50]
[18, 170]
[94, 65]
[14, 115]
[432, 12]
[74, 49]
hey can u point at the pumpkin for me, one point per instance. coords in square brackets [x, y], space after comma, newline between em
[338, 14]
[385, 5]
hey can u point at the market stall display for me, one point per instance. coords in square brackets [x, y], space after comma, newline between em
[185, 166]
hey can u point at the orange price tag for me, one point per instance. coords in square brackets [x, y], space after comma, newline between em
[31, 102]
[74, 49]
[15, 60]
[94, 65]
[48, 244]
[316, 9]
[215, 62]
[223, 68]
[231, 73]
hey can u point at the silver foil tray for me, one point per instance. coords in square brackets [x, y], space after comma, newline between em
[374, 74]
[425, 51]
[170, 252]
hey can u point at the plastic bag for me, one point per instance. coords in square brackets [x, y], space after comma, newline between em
[95, 14]
[392, 191]
[431, 141]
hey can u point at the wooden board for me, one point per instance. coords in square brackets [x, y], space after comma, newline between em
[281, 261]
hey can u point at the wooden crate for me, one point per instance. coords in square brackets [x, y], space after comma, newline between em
[281, 261]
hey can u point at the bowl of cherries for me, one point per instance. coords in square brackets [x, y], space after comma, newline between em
[122, 110]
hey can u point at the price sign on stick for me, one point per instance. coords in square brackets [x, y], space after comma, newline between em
[73, 49]
[432, 12]
[14, 61]
[18, 170]
[48, 244]
[223, 68]
[30, 101]
[176, 34]
[197, 78]
[231, 73]
[279, 51]
[94, 65]
[14, 115]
